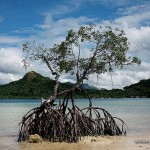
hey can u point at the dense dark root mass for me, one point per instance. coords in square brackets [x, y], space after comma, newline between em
[68, 123]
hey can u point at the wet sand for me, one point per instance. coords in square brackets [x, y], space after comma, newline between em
[87, 143]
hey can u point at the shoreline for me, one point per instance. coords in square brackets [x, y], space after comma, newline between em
[87, 143]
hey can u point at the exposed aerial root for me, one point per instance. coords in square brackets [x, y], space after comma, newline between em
[69, 124]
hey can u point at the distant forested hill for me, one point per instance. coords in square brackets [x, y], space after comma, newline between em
[34, 85]
[140, 89]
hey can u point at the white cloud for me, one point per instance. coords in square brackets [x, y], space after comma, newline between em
[135, 9]
[64, 7]
[11, 67]
[29, 30]
[134, 20]
[63, 25]
[130, 75]
[11, 40]
[10, 61]
[8, 77]
[54, 31]
[121, 78]
[139, 42]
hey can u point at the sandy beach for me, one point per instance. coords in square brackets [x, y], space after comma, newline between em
[87, 143]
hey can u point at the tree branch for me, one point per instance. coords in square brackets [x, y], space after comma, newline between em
[49, 66]
[82, 77]
[56, 78]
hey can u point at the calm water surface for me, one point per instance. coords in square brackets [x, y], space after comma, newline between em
[135, 113]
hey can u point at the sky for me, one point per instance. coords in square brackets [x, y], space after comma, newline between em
[47, 21]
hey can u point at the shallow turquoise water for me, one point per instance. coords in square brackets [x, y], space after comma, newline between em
[135, 113]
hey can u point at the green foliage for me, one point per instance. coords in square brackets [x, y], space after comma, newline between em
[108, 48]
[105, 49]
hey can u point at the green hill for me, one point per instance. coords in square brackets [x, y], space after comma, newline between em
[34, 85]
[140, 89]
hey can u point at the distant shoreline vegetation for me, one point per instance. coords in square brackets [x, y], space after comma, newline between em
[35, 86]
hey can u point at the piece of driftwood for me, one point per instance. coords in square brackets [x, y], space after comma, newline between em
[68, 123]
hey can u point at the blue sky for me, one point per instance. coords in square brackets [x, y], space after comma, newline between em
[47, 21]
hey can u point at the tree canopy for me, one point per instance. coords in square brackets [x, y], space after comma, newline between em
[90, 50]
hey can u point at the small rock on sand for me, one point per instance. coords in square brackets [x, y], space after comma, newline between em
[35, 138]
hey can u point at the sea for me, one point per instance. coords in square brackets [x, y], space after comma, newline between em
[134, 111]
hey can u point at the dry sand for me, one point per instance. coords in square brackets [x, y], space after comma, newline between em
[87, 143]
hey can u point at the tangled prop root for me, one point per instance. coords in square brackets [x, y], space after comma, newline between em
[68, 124]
